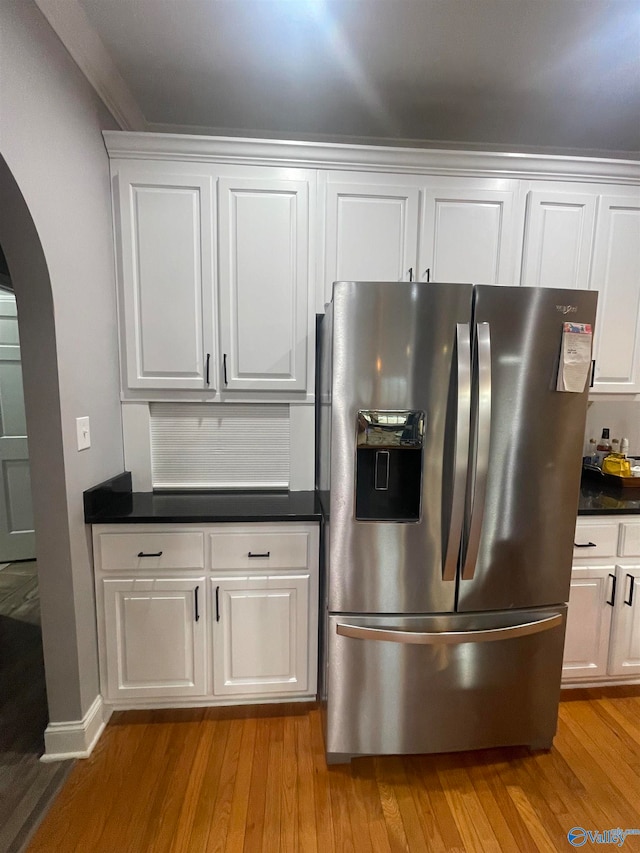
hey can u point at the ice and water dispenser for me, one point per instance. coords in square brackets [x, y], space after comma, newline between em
[389, 465]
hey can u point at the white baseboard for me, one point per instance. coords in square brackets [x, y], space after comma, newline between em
[76, 738]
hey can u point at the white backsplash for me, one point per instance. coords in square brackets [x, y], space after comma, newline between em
[622, 419]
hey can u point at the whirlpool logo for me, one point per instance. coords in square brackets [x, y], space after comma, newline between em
[578, 836]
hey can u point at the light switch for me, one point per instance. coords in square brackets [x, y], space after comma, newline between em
[84, 436]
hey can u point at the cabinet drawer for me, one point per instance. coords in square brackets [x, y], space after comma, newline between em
[151, 551]
[596, 540]
[259, 550]
[630, 539]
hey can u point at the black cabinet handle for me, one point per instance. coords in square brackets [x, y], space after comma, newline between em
[593, 372]
[629, 601]
[586, 545]
[217, 604]
[224, 368]
[156, 554]
[208, 363]
[268, 554]
[196, 598]
[410, 273]
[613, 591]
[427, 272]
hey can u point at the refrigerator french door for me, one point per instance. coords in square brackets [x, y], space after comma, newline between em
[449, 470]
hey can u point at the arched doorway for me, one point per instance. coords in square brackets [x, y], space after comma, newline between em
[27, 717]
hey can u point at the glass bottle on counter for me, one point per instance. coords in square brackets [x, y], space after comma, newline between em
[592, 455]
[603, 447]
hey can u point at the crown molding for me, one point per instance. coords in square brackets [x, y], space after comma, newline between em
[370, 158]
[70, 23]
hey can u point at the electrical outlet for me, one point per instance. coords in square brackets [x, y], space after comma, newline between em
[84, 435]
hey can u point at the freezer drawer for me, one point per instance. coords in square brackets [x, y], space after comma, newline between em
[419, 684]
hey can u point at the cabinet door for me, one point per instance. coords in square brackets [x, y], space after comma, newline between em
[165, 248]
[616, 276]
[586, 645]
[371, 232]
[558, 239]
[260, 634]
[264, 275]
[155, 637]
[467, 235]
[625, 638]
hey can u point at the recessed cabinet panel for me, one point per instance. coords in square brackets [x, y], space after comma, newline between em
[625, 641]
[466, 236]
[157, 643]
[616, 276]
[166, 265]
[264, 239]
[586, 645]
[558, 239]
[371, 233]
[260, 635]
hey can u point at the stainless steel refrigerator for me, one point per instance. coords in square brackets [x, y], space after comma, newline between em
[448, 467]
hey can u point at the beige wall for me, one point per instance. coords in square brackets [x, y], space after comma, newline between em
[50, 138]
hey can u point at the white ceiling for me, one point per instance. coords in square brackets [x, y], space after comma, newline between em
[541, 75]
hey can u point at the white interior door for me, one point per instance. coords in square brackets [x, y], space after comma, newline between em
[17, 537]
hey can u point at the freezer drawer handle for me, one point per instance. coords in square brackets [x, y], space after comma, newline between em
[449, 638]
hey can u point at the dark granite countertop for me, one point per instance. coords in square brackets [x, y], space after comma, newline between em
[600, 497]
[113, 502]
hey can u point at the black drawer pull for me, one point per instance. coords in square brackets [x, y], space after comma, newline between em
[586, 545]
[196, 602]
[207, 372]
[217, 604]
[613, 591]
[157, 554]
[629, 601]
[268, 554]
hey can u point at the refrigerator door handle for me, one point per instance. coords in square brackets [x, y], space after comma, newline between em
[461, 459]
[449, 638]
[483, 437]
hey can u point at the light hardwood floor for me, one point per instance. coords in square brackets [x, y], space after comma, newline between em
[232, 780]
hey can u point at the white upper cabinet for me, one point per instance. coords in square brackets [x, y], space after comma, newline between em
[263, 263]
[467, 234]
[164, 236]
[616, 276]
[213, 253]
[558, 239]
[371, 229]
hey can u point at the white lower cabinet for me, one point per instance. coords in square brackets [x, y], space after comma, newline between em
[602, 642]
[206, 629]
[260, 634]
[624, 658]
[156, 641]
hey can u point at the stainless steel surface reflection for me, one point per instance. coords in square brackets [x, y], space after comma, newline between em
[393, 698]
[449, 468]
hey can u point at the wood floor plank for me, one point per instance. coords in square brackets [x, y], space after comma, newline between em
[241, 787]
[475, 830]
[257, 789]
[322, 792]
[272, 799]
[307, 825]
[224, 780]
[219, 829]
